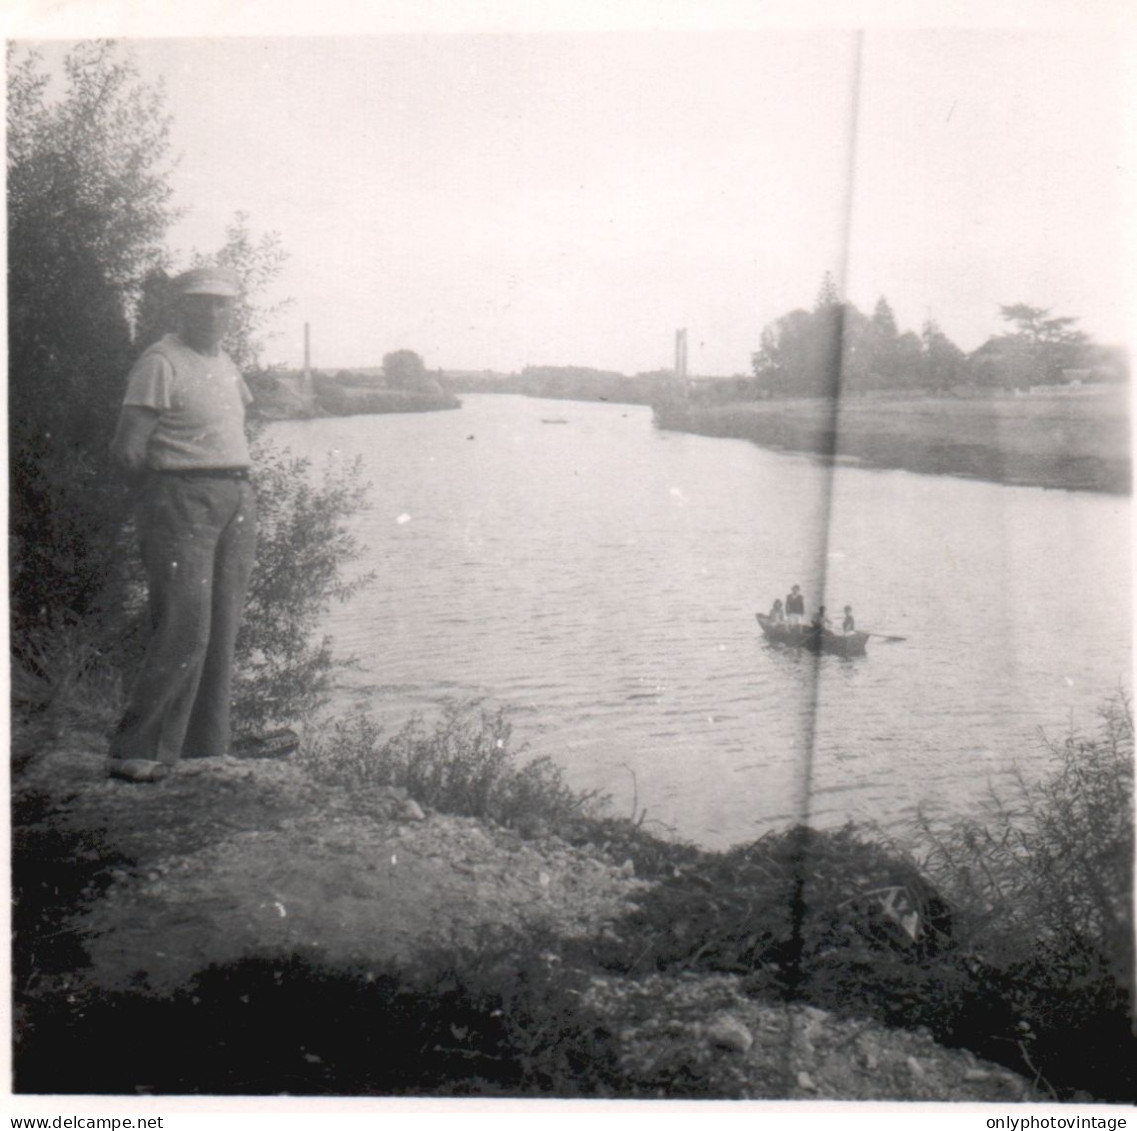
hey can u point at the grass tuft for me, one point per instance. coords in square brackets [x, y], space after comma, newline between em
[65, 676]
[464, 765]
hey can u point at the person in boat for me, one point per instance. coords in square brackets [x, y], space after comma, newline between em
[795, 606]
[848, 625]
[777, 613]
[820, 622]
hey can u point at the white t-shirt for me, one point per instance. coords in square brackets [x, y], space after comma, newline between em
[200, 403]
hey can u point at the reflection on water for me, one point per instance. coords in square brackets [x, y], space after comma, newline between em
[600, 579]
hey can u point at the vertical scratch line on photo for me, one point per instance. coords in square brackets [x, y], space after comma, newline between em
[828, 451]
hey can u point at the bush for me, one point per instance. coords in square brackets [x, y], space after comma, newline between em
[1054, 864]
[283, 667]
[464, 765]
[778, 907]
[1042, 884]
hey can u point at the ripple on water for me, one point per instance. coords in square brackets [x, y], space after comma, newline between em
[568, 581]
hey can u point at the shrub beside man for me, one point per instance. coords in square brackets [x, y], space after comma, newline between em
[181, 433]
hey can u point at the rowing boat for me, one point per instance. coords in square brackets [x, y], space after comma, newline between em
[809, 638]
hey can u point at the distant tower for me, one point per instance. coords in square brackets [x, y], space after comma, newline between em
[306, 392]
[681, 354]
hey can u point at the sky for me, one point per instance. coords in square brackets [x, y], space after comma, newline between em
[494, 197]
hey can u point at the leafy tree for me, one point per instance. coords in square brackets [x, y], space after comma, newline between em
[782, 357]
[908, 360]
[258, 262]
[884, 321]
[405, 369]
[1034, 324]
[810, 353]
[943, 363]
[1003, 362]
[873, 361]
[827, 295]
[1035, 352]
[88, 207]
[829, 347]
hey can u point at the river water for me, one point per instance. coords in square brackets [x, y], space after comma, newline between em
[599, 578]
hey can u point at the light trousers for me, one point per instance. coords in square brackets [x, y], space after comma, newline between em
[198, 538]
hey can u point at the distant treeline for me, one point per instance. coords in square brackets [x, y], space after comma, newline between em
[832, 350]
[565, 382]
[835, 349]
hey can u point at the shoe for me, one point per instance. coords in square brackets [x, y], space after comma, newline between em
[136, 769]
[273, 744]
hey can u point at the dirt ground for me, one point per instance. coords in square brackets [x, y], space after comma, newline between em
[233, 857]
[230, 858]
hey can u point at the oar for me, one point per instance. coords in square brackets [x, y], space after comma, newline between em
[884, 636]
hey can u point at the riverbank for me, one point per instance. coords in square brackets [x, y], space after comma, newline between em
[1066, 442]
[290, 935]
[282, 397]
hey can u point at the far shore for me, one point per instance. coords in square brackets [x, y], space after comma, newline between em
[1078, 443]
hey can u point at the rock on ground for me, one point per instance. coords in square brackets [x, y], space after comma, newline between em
[704, 1030]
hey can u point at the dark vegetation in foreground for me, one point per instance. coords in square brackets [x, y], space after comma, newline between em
[1022, 949]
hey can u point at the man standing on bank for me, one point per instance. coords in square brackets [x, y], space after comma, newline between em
[182, 435]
